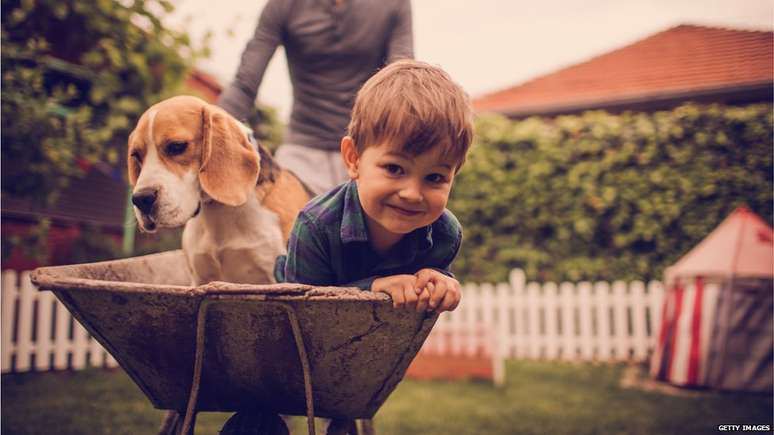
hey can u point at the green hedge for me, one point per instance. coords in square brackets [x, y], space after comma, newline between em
[607, 196]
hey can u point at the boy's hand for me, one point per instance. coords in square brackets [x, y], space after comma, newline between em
[445, 291]
[401, 288]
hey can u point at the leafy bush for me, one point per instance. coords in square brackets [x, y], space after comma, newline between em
[76, 75]
[607, 196]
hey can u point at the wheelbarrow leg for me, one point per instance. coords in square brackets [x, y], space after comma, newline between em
[367, 426]
[189, 420]
[169, 423]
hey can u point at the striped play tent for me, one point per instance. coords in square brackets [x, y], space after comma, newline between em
[716, 321]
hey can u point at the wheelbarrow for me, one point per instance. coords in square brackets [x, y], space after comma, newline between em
[287, 349]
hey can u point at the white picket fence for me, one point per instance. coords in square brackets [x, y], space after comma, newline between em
[38, 333]
[570, 321]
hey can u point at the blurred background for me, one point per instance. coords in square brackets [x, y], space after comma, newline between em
[611, 138]
[76, 78]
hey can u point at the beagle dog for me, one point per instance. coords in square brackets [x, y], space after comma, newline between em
[193, 164]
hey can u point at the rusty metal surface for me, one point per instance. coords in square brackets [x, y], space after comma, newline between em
[143, 311]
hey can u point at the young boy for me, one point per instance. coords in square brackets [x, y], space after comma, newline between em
[387, 229]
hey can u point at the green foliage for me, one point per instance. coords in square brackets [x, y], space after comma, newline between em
[603, 196]
[76, 76]
[92, 245]
[32, 245]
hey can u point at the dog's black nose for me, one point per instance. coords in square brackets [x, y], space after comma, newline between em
[145, 199]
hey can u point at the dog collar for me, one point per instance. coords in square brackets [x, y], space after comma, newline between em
[253, 141]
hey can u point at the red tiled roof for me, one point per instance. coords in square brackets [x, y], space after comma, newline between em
[205, 84]
[681, 60]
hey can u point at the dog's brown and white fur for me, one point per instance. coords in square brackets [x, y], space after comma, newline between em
[192, 164]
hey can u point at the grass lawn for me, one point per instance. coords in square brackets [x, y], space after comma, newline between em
[539, 398]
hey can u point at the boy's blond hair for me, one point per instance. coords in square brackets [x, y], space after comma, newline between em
[415, 105]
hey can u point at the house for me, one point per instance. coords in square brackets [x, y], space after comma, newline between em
[683, 63]
[95, 203]
[204, 85]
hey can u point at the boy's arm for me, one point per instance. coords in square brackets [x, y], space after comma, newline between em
[402, 290]
[362, 284]
[444, 265]
[445, 289]
[446, 271]
[445, 292]
[308, 261]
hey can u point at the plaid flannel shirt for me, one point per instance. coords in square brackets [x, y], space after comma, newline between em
[329, 245]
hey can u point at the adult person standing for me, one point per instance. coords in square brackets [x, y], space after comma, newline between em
[332, 48]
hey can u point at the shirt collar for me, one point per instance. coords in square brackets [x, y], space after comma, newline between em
[251, 138]
[353, 226]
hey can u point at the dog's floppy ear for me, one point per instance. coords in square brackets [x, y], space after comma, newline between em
[230, 165]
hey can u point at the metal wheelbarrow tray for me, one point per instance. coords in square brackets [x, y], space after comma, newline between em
[251, 338]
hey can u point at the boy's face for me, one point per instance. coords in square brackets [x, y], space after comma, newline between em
[399, 192]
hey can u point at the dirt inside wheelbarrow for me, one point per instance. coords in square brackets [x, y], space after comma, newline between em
[144, 312]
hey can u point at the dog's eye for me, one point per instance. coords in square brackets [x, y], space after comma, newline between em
[136, 157]
[176, 148]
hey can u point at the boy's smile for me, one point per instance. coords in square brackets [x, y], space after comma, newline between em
[398, 192]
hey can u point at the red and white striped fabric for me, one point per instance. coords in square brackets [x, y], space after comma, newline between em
[716, 328]
[684, 336]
